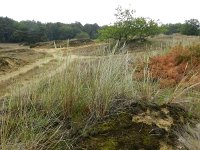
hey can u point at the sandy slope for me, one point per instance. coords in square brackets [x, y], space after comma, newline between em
[31, 72]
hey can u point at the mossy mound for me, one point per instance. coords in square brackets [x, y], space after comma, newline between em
[136, 126]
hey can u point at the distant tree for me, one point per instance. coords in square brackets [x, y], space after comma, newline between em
[191, 27]
[7, 28]
[60, 31]
[121, 29]
[77, 27]
[113, 32]
[142, 28]
[124, 23]
[82, 35]
[127, 27]
[171, 28]
[92, 30]
[32, 31]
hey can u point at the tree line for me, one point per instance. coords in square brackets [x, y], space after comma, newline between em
[34, 31]
[127, 27]
[189, 27]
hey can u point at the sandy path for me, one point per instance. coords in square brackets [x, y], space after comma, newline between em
[32, 72]
[25, 69]
[54, 54]
[24, 73]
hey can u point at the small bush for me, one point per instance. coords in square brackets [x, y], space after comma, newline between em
[170, 69]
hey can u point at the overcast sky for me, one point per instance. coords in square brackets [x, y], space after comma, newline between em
[98, 11]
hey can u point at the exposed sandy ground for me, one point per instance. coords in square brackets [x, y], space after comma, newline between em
[39, 61]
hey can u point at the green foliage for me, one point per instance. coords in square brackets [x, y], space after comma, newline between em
[142, 27]
[191, 27]
[29, 31]
[127, 27]
[32, 31]
[7, 28]
[82, 35]
[108, 32]
[171, 28]
[92, 30]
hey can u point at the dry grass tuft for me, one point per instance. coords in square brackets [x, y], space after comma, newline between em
[190, 138]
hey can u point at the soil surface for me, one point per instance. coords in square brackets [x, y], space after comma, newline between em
[145, 126]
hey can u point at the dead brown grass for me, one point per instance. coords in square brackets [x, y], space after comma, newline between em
[170, 69]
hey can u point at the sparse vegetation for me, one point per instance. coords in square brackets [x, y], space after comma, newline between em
[137, 90]
[54, 112]
[83, 90]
